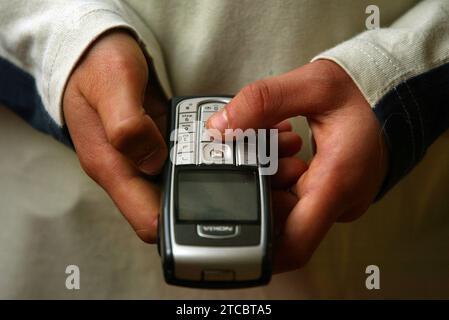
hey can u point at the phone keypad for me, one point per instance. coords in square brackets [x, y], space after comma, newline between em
[196, 144]
[186, 133]
[216, 153]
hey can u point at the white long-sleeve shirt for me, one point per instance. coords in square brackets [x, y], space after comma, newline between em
[201, 47]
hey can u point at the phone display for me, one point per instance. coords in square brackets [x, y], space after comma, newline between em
[223, 196]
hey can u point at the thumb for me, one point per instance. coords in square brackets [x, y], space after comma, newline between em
[266, 102]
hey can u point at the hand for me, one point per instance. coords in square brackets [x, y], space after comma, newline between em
[347, 170]
[115, 116]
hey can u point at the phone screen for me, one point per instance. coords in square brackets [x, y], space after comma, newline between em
[218, 195]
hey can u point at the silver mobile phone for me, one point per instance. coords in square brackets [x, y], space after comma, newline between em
[215, 223]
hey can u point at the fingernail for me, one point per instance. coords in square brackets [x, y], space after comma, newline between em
[147, 164]
[218, 121]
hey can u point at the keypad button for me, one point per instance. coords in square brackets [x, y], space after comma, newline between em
[216, 153]
[187, 117]
[187, 107]
[187, 127]
[185, 158]
[212, 106]
[185, 147]
[186, 137]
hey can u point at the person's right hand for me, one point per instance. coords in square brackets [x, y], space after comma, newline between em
[345, 174]
[115, 116]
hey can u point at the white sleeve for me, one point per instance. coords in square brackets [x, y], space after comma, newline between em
[403, 72]
[46, 38]
[380, 59]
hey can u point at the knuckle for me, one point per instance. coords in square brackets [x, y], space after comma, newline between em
[123, 131]
[101, 75]
[108, 65]
[264, 97]
[258, 97]
[113, 67]
[118, 133]
[136, 139]
[120, 63]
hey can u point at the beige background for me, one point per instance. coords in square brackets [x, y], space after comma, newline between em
[52, 215]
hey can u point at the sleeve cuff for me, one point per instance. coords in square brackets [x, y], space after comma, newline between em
[68, 44]
[372, 69]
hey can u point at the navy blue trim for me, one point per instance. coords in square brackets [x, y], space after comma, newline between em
[18, 92]
[413, 115]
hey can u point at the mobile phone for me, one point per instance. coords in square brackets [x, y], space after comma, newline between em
[215, 223]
